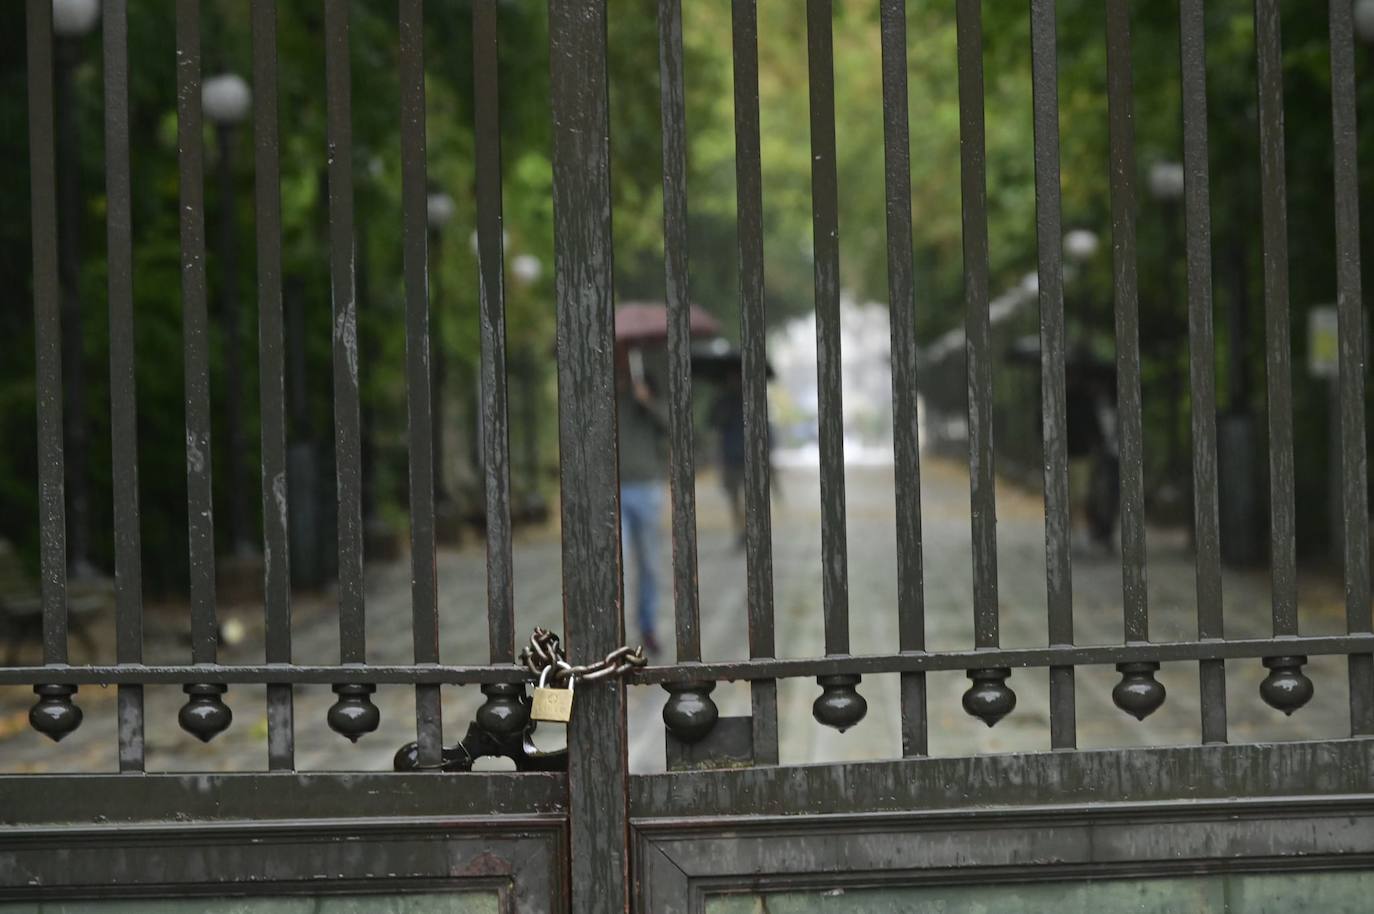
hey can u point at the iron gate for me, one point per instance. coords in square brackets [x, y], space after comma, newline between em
[582, 834]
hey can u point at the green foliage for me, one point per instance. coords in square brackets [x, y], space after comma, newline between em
[637, 206]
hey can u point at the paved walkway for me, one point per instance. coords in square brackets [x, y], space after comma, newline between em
[796, 524]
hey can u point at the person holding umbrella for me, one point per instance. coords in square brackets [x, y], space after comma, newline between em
[643, 474]
[644, 450]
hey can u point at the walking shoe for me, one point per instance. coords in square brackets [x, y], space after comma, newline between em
[651, 646]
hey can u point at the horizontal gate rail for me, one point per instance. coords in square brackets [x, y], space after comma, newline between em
[972, 786]
[973, 660]
[721, 670]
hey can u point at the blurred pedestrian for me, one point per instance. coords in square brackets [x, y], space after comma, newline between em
[643, 476]
[727, 418]
[1094, 470]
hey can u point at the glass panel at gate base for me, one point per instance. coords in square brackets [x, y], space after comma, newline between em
[430, 903]
[1244, 893]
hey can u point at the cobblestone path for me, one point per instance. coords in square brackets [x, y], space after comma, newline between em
[796, 525]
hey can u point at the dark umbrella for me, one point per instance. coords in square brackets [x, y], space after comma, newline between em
[1080, 362]
[641, 323]
[716, 360]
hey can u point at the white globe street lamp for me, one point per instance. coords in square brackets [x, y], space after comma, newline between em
[226, 99]
[1080, 245]
[526, 268]
[74, 18]
[1166, 180]
[473, 241]
[440, 209]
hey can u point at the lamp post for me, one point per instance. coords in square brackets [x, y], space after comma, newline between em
[1081, 384]
[226, 99]
[72, 20]
[526, 270]
[440, 210]
[1080, 245]
[1166, 181]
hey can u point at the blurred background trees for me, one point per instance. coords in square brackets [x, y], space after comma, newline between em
[637, 217]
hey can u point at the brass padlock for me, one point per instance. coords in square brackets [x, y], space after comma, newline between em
[551, 704]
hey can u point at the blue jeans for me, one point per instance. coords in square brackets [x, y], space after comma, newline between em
[641, 515]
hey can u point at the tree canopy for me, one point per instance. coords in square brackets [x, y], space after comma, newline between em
[637, 201]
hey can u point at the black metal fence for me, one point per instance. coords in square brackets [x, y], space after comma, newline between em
[988, 665]
[596, 761]
[205, 680]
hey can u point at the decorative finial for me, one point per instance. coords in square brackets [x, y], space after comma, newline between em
[354, 714]
[205, 715]
[989, 698]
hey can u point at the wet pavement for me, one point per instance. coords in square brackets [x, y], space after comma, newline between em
[799, 622]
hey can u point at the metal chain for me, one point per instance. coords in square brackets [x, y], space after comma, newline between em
[545, 652]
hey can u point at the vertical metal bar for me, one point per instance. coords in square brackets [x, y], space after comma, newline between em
[1201, 357]
[420, 429]
[52, 518]
[495, 411]
[347, 414]
[598, 779]
[1121, 132]
[826, 241]
[902, 305]
[272, 375]
[70, 201]
[123, 398]
[682, 471]
[1350, 309]
[1049, 240]
[973, 181]
[758, 527]
[195, 330]
[1278, 370]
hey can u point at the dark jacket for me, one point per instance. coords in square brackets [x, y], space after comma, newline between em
[643, 439]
